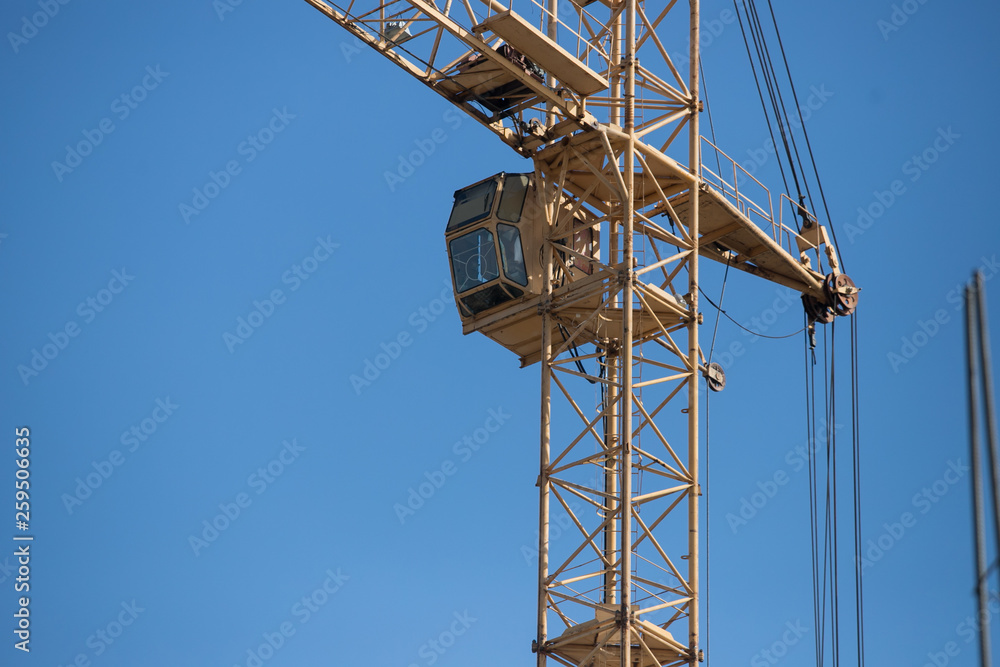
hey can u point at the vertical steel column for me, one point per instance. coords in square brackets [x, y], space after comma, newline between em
[543, 475]
[977, 490]
[552, 30]
[988, 405]
[546, 408]
[611, 439]
[628, 257]
[693, 350]
[613, 354]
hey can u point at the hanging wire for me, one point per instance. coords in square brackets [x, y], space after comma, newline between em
[753, 68]
[810, 396]
[859, 593]
[825, 522]
[825, 545]
[575, 353]
[774, 92]
[835, 551]
[751, 331]
[718, 309]
[824, 516]
[805, 133]
[708, 525]
[767, 79]
[708, 468]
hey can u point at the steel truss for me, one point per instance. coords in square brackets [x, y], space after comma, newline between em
[604, 132]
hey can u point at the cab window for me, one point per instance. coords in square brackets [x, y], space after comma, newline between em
[512, 254]
[515, 187]
[473, 260]
[472, 204]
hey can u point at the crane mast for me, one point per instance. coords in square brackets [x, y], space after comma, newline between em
[590, 92]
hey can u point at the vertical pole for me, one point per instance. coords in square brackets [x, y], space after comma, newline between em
[612, 436]
[977, 490]
[552, 30]
[546, 421]
[694, 158]
[628, 257]
[546, 424]
[988, 404]
[611, 439]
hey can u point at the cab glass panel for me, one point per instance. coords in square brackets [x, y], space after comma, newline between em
[473, 259]
[515, 186]
[472, 204]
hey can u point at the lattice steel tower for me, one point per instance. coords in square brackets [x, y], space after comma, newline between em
[588, 265]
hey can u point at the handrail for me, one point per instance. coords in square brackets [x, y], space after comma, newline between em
[743, 202]
[800, 241]
[788, 238]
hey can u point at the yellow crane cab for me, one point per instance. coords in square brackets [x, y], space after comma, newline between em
[494, 237]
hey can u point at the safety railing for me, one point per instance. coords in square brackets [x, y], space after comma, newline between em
[743, 192]
[740, 198]
[797, 211]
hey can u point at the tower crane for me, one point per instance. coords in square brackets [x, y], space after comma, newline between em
[588, 265]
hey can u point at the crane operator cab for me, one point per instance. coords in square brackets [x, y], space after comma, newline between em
[495, 236]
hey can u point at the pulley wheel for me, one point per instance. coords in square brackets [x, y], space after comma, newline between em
[715, 376]
[816, 310]
[842, 293]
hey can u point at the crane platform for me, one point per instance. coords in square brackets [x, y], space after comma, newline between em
[581, 311]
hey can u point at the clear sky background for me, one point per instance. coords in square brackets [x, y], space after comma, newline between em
[135, 299]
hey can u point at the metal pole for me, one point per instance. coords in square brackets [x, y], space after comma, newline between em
[611, 439]
[546, 428]
[977, 490]
[694, 149]
[546, 416]
[628, 257]
[552, 31]
[612, 435]
[988, 404]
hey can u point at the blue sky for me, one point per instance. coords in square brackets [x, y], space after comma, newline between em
[238, 166]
